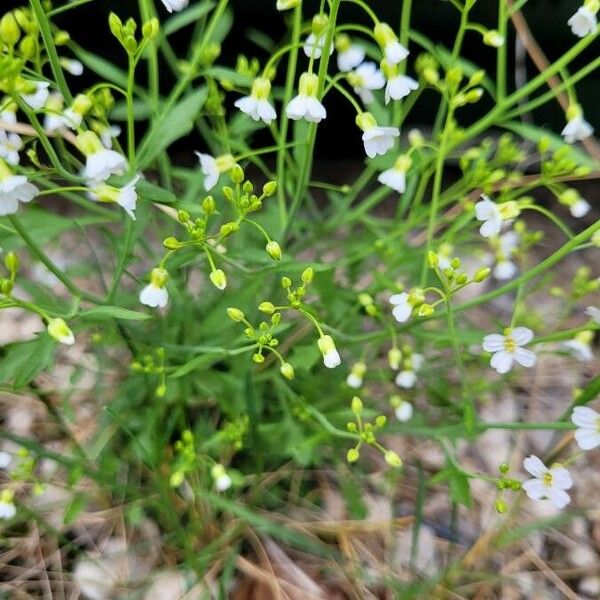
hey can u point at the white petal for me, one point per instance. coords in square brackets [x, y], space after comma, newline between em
[494, 342]
[491, 227]
[399, 298]
[332, 359]
[525, 357]
[297, 108]
[402, 312]
[404, 412]
[502, 361]
[354, 381]
[561, 478]
[587, 439]
[584, 416]
[558, 497]
[406, 379]
[535, 489]
[315, 111]
[248, 105]
[521, 335]
[394, 179]
[534, 466]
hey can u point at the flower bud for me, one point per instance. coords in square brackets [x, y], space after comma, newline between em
[29, 46]
[9, 29]
[500, 506]
[267, 307]
[392, 459]
[258, 358]
[286, 283]
[12, 263]
[208, 205]
[269, 188]
[116, 25]
[433, 259]
[481, 274]
[62, 38]
[219, 279]
[394, 358]
[353, 455]
[237, 174]
[273, 250]
[287, 371]
[151, 28]
[425, 310]
[307, 275]
[171, 243]
[235, 314]
[60, 331]
[493, 38]
[228, 228]
[356, 406]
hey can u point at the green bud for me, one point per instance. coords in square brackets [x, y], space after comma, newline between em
[307, 275]
[29, 46]
[228, 228]
[219, 279]
[353, 455]
[380, 421]
[500, 506]
[392, 459]
[237, 174]
[208, 205]
[273, 250]
[481, 274]
[171, 243]
[269, 188]
[151, 28]
[425, 310]
[130, 44]
[62, 38]
[287, 371]
[433, 259]
[286, 283]
[176, 479]
[12, 263]
[267, 307]
[6, 286]
[228, 193]
[461, 278]
[9, 29]
[258, 358]
[183, 216]
[161, 391]
[235, 314]
[504, 468]
[116, 25]
[356, 406]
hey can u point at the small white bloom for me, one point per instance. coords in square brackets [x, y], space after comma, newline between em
[576, 130]
[5, 460]
[508, 348]
[102, 164]
[305, 105]
[547, 483]
[155, 294]
[257, 104]
[221, 480]
[349, 56]
[54, 119]
[8, 115]
[505, 269]
[493, 38]
[402, 308]
[175, 5]
[507, 244]
[10, 145]
[365, 78]
[395, 177]
[60, 331]
[313, 45]
[108, 133]
[583, 22]
[587, 433]
[404, 411]
[356, 376]
[399, 87]
[13, 189]
[331, 357]
[580, 347]
[126, 197]
[377, 140]
[392, 49]
[37, 99]
[580, 208]
[7, 510]
[212, 167]
[72, 66]
[408, 376]
[493, 215]
[594, 313]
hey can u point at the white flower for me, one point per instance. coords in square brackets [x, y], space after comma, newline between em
[579, 346]
[221, 480]
[356, 376]
[102, 164]
[313, 45]
[576, 129]
[507, 244]
[580, 208]
[7, 510]
[212, 167]
[257, 104]
[408, 376]
[505, 269]
[399, 87]
[594, 312]
[547, 483]
[60, 331]
[392, 49]
[404, 411]
[175, 5]
[126, 197]
[365, 78]
[5, 460]
[108, 133]
[37, 99]
[14, 189]
[349, 56]
[331, 357]
[305, 105]
[155, 294]
[10, 144]
[508, 348]
[8, 115]
[583, 22]
[72, 66]
[395, 177]
[493, 215]
[402, 308]
[377, 140]
[54, 119]
[587, 433]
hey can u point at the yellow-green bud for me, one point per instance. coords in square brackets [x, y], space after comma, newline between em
[493, 38]
[61, 332]
[461, 278]
[228, 228]
[394, 357]
[433, 260]
[219, 279]
[353, 455]
[287, 371]
[12, 263]
[365, 121]
[150, 28]
[29, 46]
[454, 76]
[208, 205]
[237, 174]
[9, 29]
[425, 310]
[477, 77]
[286, 282]
[269, 188]
[500, 506]
[307, 275]
[392, 459]
[481, 274]
[171, 243]
[116, 25]
[267, 307]
[273, 250]
[235, 314]
[356, 406]
[176, 479]
[319, 23]
[62, 38]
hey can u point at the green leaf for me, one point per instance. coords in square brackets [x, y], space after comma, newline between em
[113, 312]
[187, 17]
[171, 126]
[74, 508]
[535, 134]
[154, 193]
[25, 361]
[460, 492]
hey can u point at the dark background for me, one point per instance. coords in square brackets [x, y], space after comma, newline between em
[435, 18]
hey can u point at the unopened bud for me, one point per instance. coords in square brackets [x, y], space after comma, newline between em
[287, 371]
[273, 250]
[235, 314]
[392, 459]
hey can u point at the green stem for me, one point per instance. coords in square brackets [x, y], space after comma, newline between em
[501, 53]
[130, 113]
